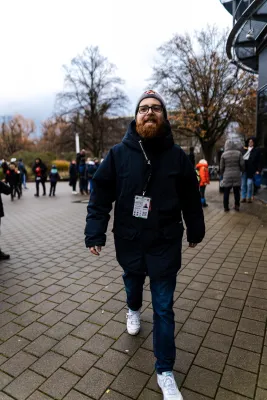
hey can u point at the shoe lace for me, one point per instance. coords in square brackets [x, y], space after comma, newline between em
[133, 318]
[169, 385]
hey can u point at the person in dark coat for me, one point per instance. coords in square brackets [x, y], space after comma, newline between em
[154, 185]
[73, 176]
[191, 156]
[5, 189]
[80, 158]
[54, 178]
[83, 177]
[231, 166]
[13, 179]
[4, 166]
[251, 156]
[39, 169]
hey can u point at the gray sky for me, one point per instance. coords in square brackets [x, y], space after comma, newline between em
[39, 36]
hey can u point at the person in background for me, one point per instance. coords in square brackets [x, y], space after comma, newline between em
[4, 166]
[13, 179]
[80, 158]
[204, 179]
[191, 156]
[40, 171]
[231, 166]
[54, 178]
[23, 173]
[73, 176]
[97, 163]
[4, 189]
[91, 169]
[83, 177]
[251, 156]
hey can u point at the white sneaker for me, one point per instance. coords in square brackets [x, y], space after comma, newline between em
[168, 386]
[133, 322]
[74, 192]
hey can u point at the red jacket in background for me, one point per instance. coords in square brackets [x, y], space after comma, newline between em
[204, 175]
[38, 172]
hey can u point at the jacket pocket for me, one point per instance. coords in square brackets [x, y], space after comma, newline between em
[125, 232]
[173, 231]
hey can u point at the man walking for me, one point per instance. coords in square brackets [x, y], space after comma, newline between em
[154, 184]
[40, 171]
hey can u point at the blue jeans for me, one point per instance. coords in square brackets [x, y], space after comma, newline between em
[24, 181]
[83, 185]
[202, 190]
[162, 291]
[247, 187]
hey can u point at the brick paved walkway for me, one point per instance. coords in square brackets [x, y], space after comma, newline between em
[62, 320]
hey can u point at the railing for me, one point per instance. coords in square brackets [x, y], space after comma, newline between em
[249, 30]
[240, 8]
[236, 7]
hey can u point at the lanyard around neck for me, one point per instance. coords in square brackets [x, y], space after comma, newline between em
[145, 155]
[149, 165]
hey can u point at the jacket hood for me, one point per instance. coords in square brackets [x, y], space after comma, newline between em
[232, 145]
[131, 138]
[202, 163]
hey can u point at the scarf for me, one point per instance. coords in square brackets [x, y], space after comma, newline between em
[247, 154]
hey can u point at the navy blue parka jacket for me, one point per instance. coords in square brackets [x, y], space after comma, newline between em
[174, 192]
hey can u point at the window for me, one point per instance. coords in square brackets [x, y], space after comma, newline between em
[262, 101]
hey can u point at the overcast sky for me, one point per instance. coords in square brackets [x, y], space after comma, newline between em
[39, 36]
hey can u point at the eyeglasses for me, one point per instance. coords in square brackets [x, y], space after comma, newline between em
[155, 109]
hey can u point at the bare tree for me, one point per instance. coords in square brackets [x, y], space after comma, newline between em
[57, 136]
[15, 135]
[92, 92]
[204, 91]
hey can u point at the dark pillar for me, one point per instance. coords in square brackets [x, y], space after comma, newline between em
[262, 109]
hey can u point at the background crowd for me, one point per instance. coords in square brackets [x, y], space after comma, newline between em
[240, 170]
[80, 170]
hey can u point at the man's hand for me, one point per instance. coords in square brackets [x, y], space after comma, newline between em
[192, 245]
[96, 250]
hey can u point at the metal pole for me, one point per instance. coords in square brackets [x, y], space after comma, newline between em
[234, 6]
[77, 142]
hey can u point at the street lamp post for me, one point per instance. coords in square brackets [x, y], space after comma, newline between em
[77, 142]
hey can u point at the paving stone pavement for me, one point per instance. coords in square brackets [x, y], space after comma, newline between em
[62, 311]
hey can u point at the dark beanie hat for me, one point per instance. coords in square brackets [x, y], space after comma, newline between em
[152, 94]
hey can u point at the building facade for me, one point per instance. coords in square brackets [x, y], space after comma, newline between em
[247, 48]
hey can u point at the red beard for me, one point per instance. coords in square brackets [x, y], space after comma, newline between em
[150, 130]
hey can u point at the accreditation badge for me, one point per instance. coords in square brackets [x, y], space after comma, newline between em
[142, 206]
